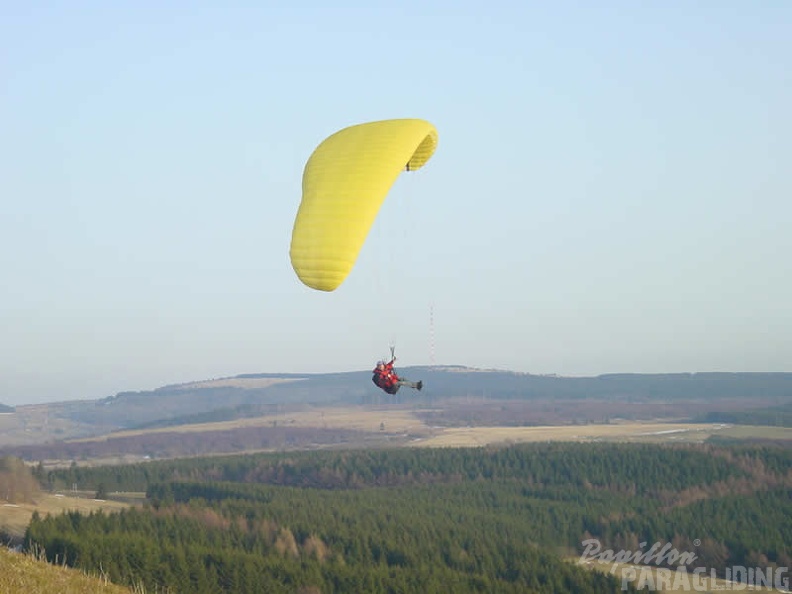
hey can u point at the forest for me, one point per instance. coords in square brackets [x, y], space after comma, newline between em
[498, 519]
[778, 416]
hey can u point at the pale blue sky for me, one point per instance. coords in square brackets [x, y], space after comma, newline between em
[611, 191]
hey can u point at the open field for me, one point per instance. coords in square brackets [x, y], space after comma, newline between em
[624, 432]
[479, 436]
[34, 423]
[391, 425]
[14, 518]
[405, 421]
[656, 579]
[354, 418]
[756, 432]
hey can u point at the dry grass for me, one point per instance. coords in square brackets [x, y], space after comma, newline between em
[623, 432]
[14, 518]
[356, 418]
[24, 574]
[399, 420]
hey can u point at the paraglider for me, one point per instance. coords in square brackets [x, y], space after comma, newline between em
[387, 379]
[345, 182]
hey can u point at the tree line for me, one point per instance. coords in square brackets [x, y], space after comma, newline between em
[425, 520]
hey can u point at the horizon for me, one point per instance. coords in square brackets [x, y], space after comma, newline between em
[353, 371]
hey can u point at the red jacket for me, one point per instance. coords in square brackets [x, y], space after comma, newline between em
[385, 377]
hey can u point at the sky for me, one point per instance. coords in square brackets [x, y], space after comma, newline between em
[610, 193]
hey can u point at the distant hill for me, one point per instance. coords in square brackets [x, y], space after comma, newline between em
[263, 393]
[453, 396]
[6, 409]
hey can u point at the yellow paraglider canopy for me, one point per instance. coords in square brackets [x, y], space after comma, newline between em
[345, 182]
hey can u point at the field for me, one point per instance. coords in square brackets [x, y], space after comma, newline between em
[399, 425]
[623, 432]
[756, 432]
[461, 423]
[14, 518]
[652, 432]
[33, 424]
[355, 418]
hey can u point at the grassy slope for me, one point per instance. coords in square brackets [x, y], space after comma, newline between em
[23, 574]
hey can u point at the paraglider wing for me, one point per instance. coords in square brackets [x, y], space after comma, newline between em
[345, 182]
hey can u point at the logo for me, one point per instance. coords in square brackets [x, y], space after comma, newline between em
[658, 554]
[662, 567]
